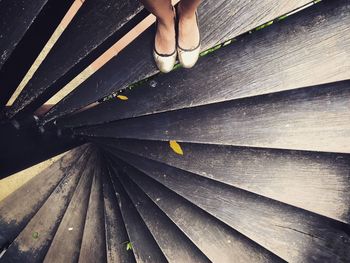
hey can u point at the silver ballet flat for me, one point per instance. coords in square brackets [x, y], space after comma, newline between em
[164, 62]
[188, 57]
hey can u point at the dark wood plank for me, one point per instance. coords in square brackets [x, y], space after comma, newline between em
[173, 243]
[32, 244]
[96, 23]
[116, 234]
[216, 240]
[23, 145]
[293, 234]
[31, 44]
[315, 119]
[302, 51]
[12, 31]
[143, 244]
[219, 21]
[292, 177]
[93, 246]
[19, 207]
[65, 246]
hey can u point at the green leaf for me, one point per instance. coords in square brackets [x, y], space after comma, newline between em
[35, 235]
[128, 246]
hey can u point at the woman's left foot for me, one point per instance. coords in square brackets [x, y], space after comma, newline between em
[188, 41]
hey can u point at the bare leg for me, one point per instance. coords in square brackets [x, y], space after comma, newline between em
[165, 35]
[188, 30]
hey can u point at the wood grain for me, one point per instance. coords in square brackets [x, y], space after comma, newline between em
[175, 246]
[25, 46]
[12, 32]
[216, 240]
[32, 244]
[220, 20]
[116, 234]
[79, 45]
[315, 119]
[144, 246]
[93, 246]
[20, 206]
[293, 234]
[312, 47]
[71, 228]
[292, 177]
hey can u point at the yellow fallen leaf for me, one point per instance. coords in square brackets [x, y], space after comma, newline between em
[122, 97]
[176, 147]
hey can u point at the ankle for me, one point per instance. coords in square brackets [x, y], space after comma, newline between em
[167, 20]
[185, 13]
[167, 25]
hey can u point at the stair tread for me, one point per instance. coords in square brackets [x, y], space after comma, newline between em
[142, 242]
[116, 234]
[219, 21]
[33, 242]
[175, 246]
[291, 233]
[287, 55]
[216, 240]
[19, 207]
[318, 182]
[93, 246]
[93, 24]
[68, 237]
[11, 13]
[314, 119]
[27, 33]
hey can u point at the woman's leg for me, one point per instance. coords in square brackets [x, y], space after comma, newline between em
[165, 36]
[188, 30]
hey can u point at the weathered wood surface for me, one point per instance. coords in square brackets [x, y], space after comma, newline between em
[32, 42]
[11, 31]
[65, 247]
[20, 206]
[116, 234]
[144, 246]
[175, 246]
[309, 48]
[292, 177]
[93, 246]
[216, 240]
[291, 233]
[32, 244]
[95, 23]
[315, 119]
[219, 21]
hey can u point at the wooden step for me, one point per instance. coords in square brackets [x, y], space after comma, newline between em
[26, 27]
[141, 240]
[93, 246]
[95, 28]
[24, 144]
[291, 233]
[292, 177]
[32, 244]
[219, 21]
[313, 119]
[12, 31]
[20, 206]
[216, 240]
[65, 247]
[175, 246]
[116, 235]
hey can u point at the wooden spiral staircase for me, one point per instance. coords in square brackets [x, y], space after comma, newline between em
[244, 158]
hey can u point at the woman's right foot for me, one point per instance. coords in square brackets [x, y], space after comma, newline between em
[188, 42]
[165, 44]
